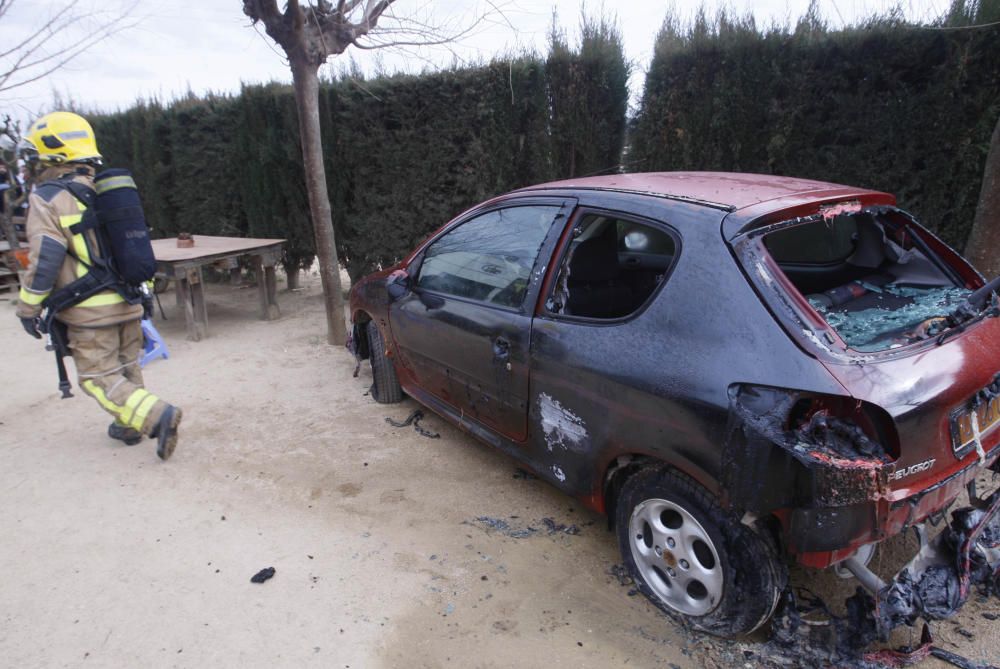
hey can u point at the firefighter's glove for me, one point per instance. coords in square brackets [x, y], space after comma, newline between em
[147, 308]
[30, 326]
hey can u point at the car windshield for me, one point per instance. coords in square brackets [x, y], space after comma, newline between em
[869, 276]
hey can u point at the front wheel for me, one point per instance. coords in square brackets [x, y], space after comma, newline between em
[695, 561]
[385, 385]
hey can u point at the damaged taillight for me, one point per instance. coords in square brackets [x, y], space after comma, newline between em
[845, 426]
[814, 453]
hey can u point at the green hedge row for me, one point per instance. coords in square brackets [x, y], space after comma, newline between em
[886, 105]
[404, 154]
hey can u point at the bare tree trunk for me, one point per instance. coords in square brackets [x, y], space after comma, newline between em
[293, 278]
[309, 35]
[306, 81]
[983, 247]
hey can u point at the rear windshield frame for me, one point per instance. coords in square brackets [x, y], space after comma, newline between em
[794, 312]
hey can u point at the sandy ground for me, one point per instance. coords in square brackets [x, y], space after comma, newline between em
[112, 558]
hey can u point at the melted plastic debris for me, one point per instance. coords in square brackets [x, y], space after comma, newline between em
[840, 438]
[414, 419]
[865, 330]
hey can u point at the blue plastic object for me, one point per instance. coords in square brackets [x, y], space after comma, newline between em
[153, 345]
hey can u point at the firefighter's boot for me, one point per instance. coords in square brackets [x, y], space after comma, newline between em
[124, 433]
[165, 431]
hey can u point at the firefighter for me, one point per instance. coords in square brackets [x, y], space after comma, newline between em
[103, 332]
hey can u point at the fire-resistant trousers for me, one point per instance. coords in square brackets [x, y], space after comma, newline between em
[107, 367]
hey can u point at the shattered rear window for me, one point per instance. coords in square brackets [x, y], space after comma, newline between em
[869, 276]
[864, 330]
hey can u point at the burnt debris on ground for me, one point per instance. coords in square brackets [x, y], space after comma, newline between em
[620, 573]
[262, 575]
[518, 531]
[558, 528]
[933, 586]
[414, 419]
[503, 527]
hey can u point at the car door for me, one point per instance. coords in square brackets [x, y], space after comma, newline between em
[598, 348]
[464, 328]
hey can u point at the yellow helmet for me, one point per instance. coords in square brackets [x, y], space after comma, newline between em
[59, 137]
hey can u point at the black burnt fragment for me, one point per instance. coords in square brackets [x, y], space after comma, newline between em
[841, 438]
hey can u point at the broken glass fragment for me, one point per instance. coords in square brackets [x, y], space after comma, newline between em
[881, 327]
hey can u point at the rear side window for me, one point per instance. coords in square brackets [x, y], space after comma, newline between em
[488, 258]
[641, 238]
[819, 244]
[612, 267]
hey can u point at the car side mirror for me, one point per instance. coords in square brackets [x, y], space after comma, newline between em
[398, 285]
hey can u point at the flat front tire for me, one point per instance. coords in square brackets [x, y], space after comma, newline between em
[385, 384]
[695, 561]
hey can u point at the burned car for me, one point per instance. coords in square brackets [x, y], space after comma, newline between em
[739, 370]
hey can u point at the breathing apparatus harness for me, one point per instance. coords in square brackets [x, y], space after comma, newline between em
[123, 260]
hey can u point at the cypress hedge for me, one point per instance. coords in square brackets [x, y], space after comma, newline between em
[886, 105]
[407, 153]
[588, 98]
[404, 154]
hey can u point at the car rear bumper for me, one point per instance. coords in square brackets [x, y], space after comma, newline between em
[822, 537]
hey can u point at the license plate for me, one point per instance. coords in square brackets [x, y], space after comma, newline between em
[967, 421]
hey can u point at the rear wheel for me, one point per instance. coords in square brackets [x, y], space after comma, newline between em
[385, 385]
[695, 561]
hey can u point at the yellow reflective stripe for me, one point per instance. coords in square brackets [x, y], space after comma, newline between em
[133, 401]
[137, 406]
[101, 398]
[104, 185]
[34, 299]
[79, 243]
[101, 300]
[80, 248]
[143, 411]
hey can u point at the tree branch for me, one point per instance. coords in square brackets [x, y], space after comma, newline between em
[43, 53]
[264, 11]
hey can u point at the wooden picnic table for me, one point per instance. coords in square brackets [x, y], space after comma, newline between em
[183, 265]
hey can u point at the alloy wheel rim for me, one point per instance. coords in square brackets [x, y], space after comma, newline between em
[676, 557]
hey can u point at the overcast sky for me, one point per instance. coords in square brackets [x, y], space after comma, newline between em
[209, 45]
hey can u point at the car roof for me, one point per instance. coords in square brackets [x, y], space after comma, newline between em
[730, 191]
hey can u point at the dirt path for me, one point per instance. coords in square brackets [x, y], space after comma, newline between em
[112, 558]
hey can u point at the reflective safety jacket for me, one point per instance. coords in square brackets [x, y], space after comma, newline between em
[55, 254]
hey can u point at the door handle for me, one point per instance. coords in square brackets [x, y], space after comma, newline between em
[501, 348]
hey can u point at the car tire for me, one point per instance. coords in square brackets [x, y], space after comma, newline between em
[385, 384]
[695, 561]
